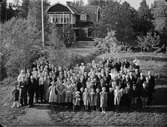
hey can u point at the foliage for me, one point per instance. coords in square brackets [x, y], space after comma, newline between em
[159, 10]
[20, 42]
[78, 3]
[97, 2]
[55, 38]
[149, 42]
[68, 36]
[24, 8]
[119, 17]
[35, 14]
[61, 37]
[109, 43]
[143, 23]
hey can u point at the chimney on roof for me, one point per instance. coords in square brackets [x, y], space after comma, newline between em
[69, 3]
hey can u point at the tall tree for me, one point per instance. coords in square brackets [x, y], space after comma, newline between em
[25, 8]
[34, 15]
[119, 18]
[144, 22]
[78, 3]
[159, 10]
[3, 12]
[97, 2]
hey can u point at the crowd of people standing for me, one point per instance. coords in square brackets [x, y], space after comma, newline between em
[102, 85]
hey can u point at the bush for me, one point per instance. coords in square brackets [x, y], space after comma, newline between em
[20, 42]
[109, 43]
[150, 42]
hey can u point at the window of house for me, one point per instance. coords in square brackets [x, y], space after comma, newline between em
[83, 17]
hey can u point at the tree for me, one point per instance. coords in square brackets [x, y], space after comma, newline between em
[34, 15]
[25, 8]
[78, 3]
[159, 10]
[56, 38]
[97, 2]
[3, 16]
[144, 21]
[150, 42]
[20, 42]
[119, 18]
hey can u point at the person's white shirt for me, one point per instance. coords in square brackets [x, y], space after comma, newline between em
[21, 76]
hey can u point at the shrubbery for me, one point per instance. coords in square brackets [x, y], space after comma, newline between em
[20, 44]
[150, 42]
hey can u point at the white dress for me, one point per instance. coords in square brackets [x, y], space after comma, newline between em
[52, 94]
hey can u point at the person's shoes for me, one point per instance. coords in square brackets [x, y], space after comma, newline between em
[30, 106]
[103, 112]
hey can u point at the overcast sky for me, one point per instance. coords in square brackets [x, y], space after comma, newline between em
[133, 3]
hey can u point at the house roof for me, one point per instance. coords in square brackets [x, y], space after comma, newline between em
[59, 8]
[88, 9]
[84, 9]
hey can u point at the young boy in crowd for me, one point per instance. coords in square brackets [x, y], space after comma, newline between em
[15, 94]
[144, 94]
[117, 96]
[92, 99]
[97, 99]
[86, 99]
[76, 100]
[134, 96]
[81, 96]
[103, 100]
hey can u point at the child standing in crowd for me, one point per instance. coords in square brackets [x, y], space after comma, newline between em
[76, 100]
[86, 99]
[144, 94]
[110, 98]
[52, 93]
[15, 94]
[41, 87]
[103, 100]
[97, 99]
[134, 95]
[92, 99]
[22, 85]
[117, 95]
[68, 93]
[81, 97]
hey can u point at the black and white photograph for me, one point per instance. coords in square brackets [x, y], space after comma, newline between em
[83, 63]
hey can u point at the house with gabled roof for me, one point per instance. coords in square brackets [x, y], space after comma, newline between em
[80, 18]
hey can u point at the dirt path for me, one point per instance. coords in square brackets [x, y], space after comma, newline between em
[39, 115]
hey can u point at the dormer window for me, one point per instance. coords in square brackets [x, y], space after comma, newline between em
[83, 17]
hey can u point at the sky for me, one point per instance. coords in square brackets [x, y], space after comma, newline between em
[133, 3]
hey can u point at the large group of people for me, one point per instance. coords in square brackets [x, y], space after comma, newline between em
[104, 85]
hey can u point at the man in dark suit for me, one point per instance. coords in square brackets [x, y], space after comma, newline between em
[151, 82]
[31, 90]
